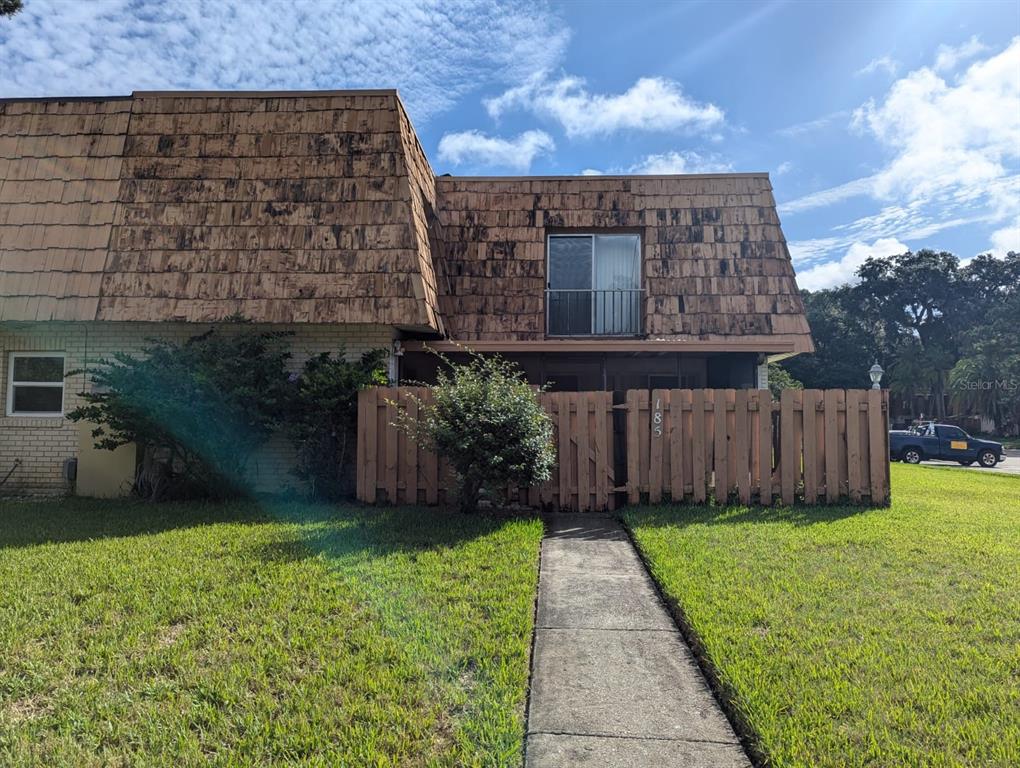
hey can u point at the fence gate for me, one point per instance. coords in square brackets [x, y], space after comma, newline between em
[720, 445]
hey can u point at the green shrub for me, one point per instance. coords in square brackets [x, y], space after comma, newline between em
[323, 419]
[780, 379]
[197, 410]
[485, 419]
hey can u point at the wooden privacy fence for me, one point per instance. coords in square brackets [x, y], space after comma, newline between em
[813, 446]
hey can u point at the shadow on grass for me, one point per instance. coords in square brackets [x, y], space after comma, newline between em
[54, 521]
[687, 514]
[374, 531]
[330, 528]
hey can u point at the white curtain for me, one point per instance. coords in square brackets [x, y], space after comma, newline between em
[617, 303]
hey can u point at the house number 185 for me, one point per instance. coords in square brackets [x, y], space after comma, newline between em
[657, 418]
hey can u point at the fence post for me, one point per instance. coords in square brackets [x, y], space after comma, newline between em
[633, 452]
[601, 446]
[878, 437]
[698, 471]
[765, 447]
[741, 423]
[831, 447]
[810, 400]
[788, 458]
[721, 454]
[583, 452]
[657, 436]
[855, 486]
[371, 445]
[410, 466]
[676, 445]
[391, 442]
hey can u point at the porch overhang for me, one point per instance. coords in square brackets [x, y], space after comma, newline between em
[771, 347]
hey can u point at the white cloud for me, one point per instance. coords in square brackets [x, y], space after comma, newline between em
[841, 271]
[680, 162]
[651, 104]
[886, 63]
[810, 126]
[953, 151]
[434, 53]
[784, 168]
[809, 252]
[1006, 239]
[826, 197]
[944, 136]
[475, 149]
[669, 163]
[948, 56]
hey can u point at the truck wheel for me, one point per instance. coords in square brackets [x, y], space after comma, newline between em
[987, 459]
[966, 463]
[912, 456]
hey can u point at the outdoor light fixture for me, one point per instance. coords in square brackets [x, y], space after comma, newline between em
[875, 372]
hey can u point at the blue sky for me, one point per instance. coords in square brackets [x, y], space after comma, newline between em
[884, 126]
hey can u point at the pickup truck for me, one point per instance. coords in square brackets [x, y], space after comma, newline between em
[942, 441]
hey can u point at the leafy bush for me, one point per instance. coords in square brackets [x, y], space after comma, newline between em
[323, 420]
[486, 420]
[197, 410]
[780, 379]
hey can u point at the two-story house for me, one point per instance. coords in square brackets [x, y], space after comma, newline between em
[156, 214]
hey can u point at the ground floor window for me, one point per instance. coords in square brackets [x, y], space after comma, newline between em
[35, 384]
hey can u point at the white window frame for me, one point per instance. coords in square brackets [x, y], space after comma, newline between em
[53, 384]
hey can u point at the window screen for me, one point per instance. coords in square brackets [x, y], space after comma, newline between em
[35, 385]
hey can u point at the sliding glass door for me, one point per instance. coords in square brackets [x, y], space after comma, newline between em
[594, 286]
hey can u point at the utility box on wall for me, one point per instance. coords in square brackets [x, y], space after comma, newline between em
[101, 473]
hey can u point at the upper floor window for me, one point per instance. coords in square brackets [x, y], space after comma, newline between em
[35, 384]
[594, 285]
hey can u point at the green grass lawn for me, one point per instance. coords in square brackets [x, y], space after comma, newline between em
[853, 637]
[242, 635]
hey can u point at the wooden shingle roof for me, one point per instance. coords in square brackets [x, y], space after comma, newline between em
[284, 207]
[60, 168]
[322, 207]
[715, 265]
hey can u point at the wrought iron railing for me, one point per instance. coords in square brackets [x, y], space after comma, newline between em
[586, 312]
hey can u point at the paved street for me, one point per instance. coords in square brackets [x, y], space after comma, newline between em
[1010, 466]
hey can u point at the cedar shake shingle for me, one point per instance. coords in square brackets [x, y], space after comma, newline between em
[321, 207]
[715, 265]
[284, 208]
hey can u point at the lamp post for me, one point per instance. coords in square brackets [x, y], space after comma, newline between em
[875, 372]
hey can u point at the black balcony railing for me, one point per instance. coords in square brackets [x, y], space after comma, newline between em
[585, 312]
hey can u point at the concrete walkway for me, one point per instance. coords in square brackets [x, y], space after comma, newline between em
[613, 684]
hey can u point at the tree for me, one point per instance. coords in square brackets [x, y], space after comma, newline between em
[920, 315]
[10, 7]
[847, 341]
[918, 299]
[986, 380]
[197, 410]
[485, 419]
[324, 417]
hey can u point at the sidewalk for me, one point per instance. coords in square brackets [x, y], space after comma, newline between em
[613, 683]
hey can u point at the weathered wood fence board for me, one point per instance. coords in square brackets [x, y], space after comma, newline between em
[813, 446]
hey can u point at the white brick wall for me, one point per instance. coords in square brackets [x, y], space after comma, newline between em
[42, 444]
